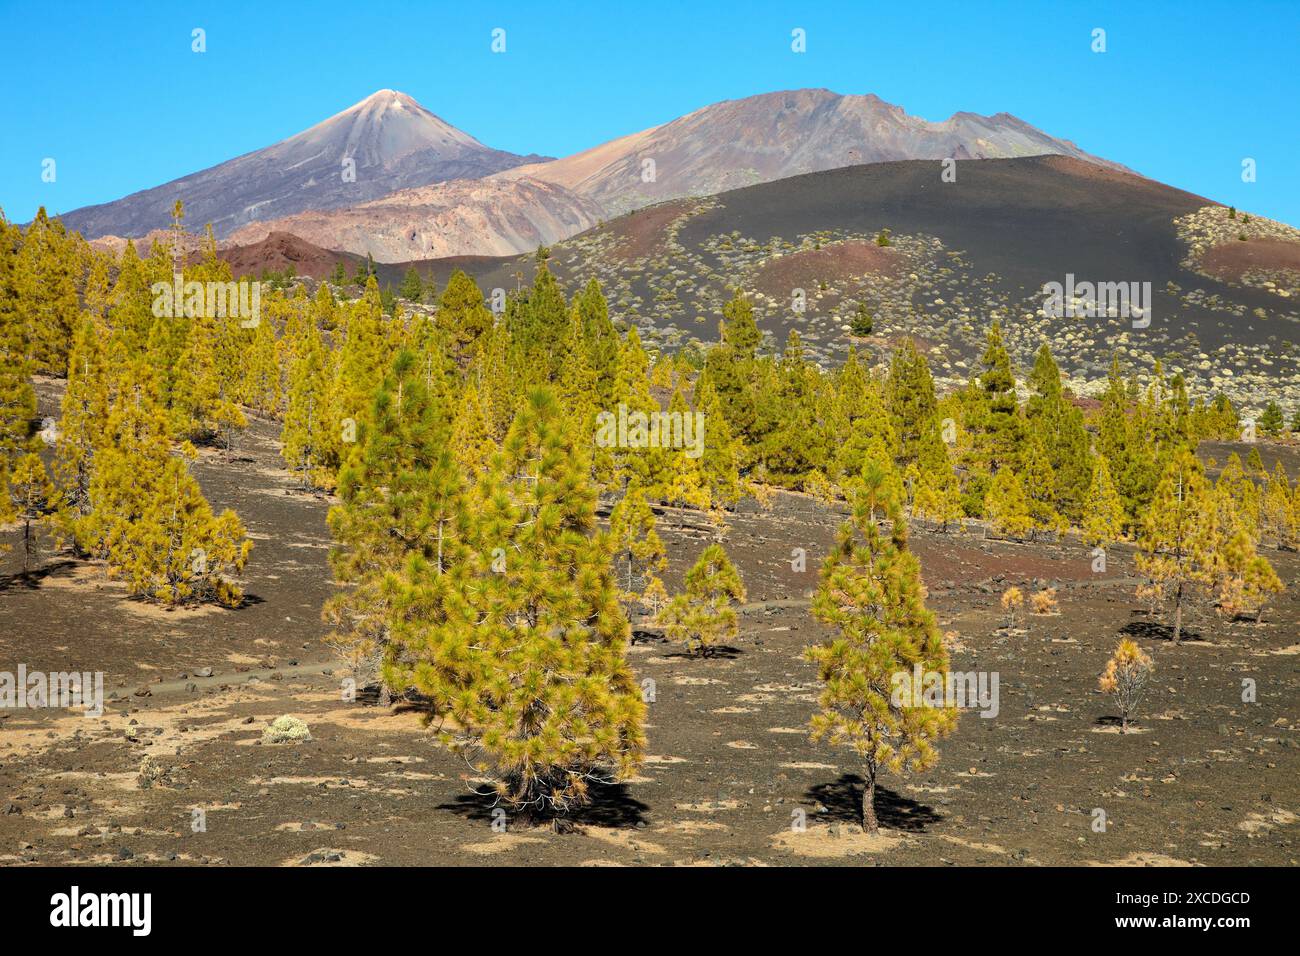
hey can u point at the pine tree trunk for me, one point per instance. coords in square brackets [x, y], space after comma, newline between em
[1178, 613]
[869, 822]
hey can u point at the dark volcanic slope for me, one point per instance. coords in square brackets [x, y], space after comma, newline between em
[982, 245]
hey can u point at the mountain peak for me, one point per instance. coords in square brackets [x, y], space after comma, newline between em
[387, 98]
[784, 133]
[381, 144]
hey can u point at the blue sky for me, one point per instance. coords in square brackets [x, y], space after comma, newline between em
[1184, 92]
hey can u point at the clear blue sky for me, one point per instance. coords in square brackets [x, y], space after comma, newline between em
[114, 94]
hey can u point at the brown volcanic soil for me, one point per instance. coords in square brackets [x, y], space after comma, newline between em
[1230, 260]
[842, 260]
[1206, 779]
[280, 249]
[644, 232]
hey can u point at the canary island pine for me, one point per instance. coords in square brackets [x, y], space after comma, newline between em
[872, 596]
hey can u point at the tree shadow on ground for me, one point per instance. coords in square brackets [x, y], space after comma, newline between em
[612, 805]
[32, 579]
[245, 601]
[1106, 720]
[721, 652]
[843, 802]
[1156, 631]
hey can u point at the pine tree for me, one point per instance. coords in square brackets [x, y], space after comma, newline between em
[178, 551]
[1179, 535]
[382, 516]
[909, 396]
[305, 435]
[788, 400]
[260, 387]
[1040, 486]
[1103, 522]
[499, 390]
[358, 371]
[862, 324]
[869, 431]
[720, 461]
[603, 344]
[638, 549]
[538, 324]
[17, 399]
[576, 389]
[729, 368]
[872, 596]
[999, 429]
[1245, 578]
[1127, 673]
[704, 614]
[149, 519]
[471, 441]
[638, 462]
[1059, 425]
[1271, 421]
[46, 271]
[461, 312]
[1237, 498]
[937, 492]
[412, 287]
[683, 483]
[539, 688]
[1007, 506]
[33, 497]
[1277, 518]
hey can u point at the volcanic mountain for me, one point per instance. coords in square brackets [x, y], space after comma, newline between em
[772, 136]
[938, 260]
[385, 143]
[720, 147]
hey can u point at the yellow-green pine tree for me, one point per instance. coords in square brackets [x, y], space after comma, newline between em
[1007, 506]
[1180, 535]
[704, 614]
[1103, 522]
[872, 596]
[540, 687]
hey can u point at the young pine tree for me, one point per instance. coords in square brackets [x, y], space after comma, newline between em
[638, 549]
[704, 614]
[1277, 518]
[304, 435]
[872, 596]
[1179, 537]
[178, 551]
[1126, 676]
[1007, 506]
[33, 497]
[1103, 522]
